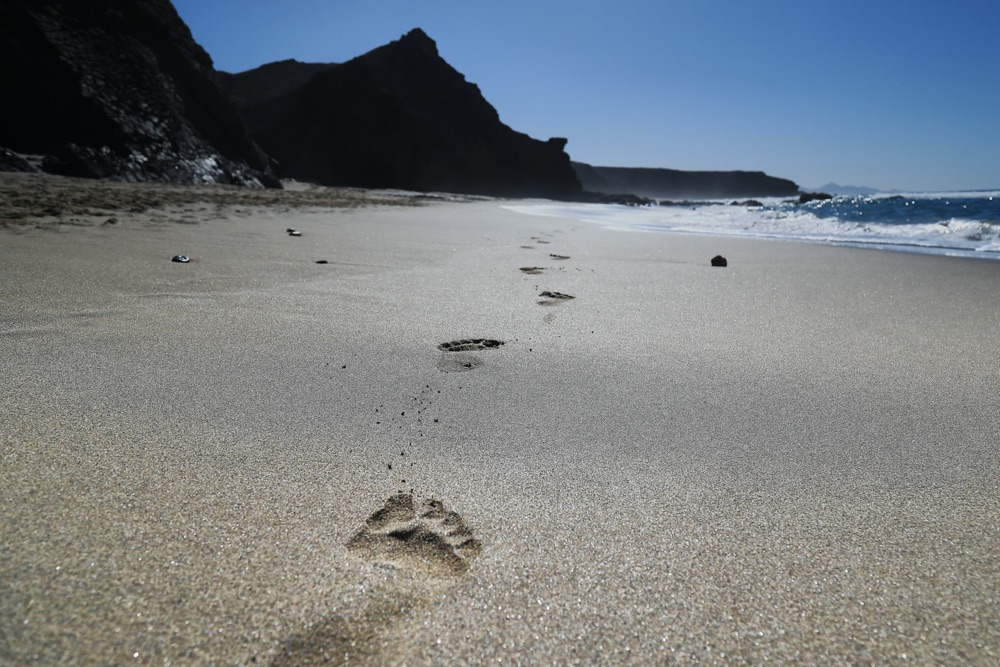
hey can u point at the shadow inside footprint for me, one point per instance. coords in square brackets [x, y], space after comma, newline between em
[552, 298]
[458, 363]
[423, 536]
[347, 640]
[470, 345]
[532, 270]
[553, 256]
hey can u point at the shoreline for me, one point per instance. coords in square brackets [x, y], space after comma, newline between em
[791, 458]
[837, 222]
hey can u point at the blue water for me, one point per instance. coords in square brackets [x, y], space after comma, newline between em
[962, 224]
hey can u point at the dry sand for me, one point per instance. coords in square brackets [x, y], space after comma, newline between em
[793, 459]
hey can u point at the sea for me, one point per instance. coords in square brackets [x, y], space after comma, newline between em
[957, 224]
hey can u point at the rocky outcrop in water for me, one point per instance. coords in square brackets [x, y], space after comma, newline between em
[118, 89]
[396, 117]
[667, 183]
[807, 197]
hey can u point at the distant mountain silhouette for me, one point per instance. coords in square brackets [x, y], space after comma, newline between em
[109, 88]
[672, 183]
[847, 190]
[396, 117]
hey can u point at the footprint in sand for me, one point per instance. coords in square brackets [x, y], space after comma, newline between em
[553, 298]
[470, 345]
[532, 270]
[554, 256]
[420, 535]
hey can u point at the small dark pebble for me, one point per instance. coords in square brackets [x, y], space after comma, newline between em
[294, 232]
[111, 221]
[719, 260]
[183, 259]
[322, 261]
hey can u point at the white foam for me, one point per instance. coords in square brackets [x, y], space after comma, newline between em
[955, 236]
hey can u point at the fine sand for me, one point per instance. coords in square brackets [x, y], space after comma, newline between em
[476, 436]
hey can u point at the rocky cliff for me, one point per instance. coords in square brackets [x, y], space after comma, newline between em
[670, 183]
[396, 117]
[119, 89]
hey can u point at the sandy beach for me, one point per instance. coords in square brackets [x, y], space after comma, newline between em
[419, 453]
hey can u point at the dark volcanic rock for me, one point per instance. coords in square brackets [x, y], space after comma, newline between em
[807, 197]
[668, 183]
[119, 89]
[11, 161]
[397, 117]
[719, 260]
[265, 94]
[622, 199]
[687, 203]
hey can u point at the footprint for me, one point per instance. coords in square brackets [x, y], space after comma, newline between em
[423, 536]
[554, 256]
[553, 298]
[470, 345]
[532, 270]
[458, 363]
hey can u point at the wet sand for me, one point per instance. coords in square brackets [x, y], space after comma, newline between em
[420, 453]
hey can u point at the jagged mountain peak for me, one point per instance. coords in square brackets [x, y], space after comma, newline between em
[419, 39]
[398, 116]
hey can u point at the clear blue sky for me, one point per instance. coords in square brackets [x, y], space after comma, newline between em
[883, 93]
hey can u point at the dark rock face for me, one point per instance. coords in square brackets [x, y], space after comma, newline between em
[11, 161]
[118, 89]
[264, 95]
[396, 117]
[675, 183]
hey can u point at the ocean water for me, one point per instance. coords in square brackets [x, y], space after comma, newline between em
[962, 224]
